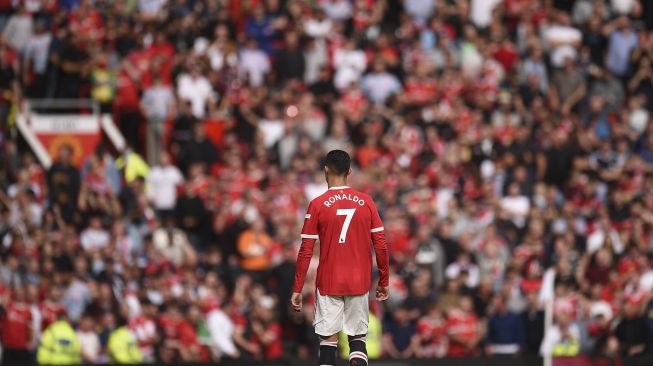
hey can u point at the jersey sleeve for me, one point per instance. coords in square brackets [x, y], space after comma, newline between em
[377, 224]
[310, 229]
[380, 246]
[309, 237]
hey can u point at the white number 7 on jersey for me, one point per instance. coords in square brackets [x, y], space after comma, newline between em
[349, 213]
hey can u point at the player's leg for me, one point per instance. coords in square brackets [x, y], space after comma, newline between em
[328, 350]
[357, 350]
[356, 322]
[329, 314]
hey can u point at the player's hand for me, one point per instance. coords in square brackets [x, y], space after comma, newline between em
[296, 301]
[382, 293]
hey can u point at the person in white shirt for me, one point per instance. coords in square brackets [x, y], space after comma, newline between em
[318, 26]
[464, 265]
[254, 63]
[19, 29]
[94, 237]
[222, 53]
[151, 9]
[36, 55]
[197, 89]
[338, 10]
[221, 329]
[562, 40]
[379, 85]
[604, 233]
[162, 185]
[349, 63]
[88, 340]
[420, 10]
[172, 243]
[271, 126]
[516, 205]
[158, 105]
[481, 12]
[623, 7]
[316, 58]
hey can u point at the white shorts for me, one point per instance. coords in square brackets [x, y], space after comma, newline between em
[334, 314]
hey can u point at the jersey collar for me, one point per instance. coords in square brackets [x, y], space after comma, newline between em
[341, 187]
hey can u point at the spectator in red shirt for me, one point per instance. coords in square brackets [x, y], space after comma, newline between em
[16, 330]
[188, 346]
[266, 331]
[464, 330]
[51, 307]
[432, 331]
[145, 330]
[171, 324]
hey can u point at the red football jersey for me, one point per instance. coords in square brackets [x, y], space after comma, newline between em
[346, 222]
[50, 311]
[466, 327]
[16, 327]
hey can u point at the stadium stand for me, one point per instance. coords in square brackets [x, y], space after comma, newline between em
[508, 145]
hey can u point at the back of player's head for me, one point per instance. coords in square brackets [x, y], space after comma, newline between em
[338, 162]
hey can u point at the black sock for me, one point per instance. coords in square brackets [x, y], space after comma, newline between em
[357, 352]
[328, 353]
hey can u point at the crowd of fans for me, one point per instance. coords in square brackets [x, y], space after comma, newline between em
[507, 145]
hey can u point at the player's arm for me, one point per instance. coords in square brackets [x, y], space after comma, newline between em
[377, 233]
[309, 237]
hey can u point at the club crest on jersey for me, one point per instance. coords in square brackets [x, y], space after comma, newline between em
[343, 196]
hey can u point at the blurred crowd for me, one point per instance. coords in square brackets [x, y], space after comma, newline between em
[507, 144]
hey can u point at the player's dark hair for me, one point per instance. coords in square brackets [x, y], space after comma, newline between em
[338, 162]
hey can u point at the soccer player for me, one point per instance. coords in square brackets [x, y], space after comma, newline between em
[346, 222]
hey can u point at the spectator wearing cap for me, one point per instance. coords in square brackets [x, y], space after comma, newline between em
[600, 332]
